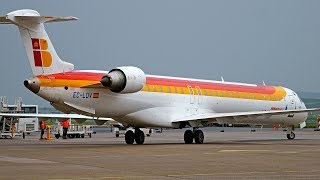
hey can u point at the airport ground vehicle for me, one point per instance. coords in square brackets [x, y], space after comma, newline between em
[74, 131]
[121, 130]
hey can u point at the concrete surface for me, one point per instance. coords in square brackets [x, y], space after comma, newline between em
[233, 154]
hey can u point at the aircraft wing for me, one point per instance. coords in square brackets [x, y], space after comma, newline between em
[67, 116]
[59, 117]
[251, 114]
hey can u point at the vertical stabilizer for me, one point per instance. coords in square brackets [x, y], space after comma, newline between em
[41, 54]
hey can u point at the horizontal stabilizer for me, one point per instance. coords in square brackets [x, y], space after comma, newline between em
[38, 19]
[4, 20]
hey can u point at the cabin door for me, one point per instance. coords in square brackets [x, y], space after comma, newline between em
[191, 92]
[199, 94]
[291, 103]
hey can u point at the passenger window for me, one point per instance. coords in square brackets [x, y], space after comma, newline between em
[182, 91]
[175, 90]
[154, 89]
[169, 90]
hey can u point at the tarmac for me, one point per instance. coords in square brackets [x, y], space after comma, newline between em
[234, 154]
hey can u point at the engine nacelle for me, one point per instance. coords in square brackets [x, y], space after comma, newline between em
[127, 79]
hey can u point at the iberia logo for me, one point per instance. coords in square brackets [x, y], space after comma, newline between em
[42, 58]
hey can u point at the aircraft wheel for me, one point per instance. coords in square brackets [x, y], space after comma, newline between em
[188, 137]
[198, 137]
[129, 137]
[139, 136]
[291, 136]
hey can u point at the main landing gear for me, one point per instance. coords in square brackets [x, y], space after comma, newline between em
[290, 134]
[196, 135]
[137, 136]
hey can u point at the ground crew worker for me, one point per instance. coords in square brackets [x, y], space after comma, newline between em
[318, 119]
[65, 125]
[13, 127]
[42, 128]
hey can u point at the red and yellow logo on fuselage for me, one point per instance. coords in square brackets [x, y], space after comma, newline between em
[42, 58]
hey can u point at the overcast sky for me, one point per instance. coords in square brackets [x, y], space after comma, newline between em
[244, 41]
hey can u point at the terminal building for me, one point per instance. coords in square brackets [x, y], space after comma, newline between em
[10, 127]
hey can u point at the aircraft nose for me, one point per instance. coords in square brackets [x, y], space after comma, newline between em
[32, 84]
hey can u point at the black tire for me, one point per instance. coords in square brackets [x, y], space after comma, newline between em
[90, 135]
[82, 135]
[139, 136]
[188, 137]
[129, 137]
[291, 136]
[198, 137]
[78, 135]
[117, 135]
[23, 135]
[57, 136]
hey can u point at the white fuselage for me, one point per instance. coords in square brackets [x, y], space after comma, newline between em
[160, 109]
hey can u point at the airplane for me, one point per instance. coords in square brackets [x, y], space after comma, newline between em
[130, 97]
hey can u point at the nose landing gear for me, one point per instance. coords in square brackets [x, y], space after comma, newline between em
[290, 133]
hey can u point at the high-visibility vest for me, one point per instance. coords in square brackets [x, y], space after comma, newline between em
[65, 124]
[43, 125]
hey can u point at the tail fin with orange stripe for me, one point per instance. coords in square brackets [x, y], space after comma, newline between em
[42, 56]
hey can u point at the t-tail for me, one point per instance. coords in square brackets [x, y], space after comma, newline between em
[42, 56]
